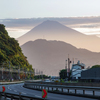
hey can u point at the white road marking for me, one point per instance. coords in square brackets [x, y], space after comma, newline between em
[38, 96]
[23, 93]
[8, 88]
[8, 98]
[15, 90]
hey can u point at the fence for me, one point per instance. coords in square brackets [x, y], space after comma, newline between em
[63, 89]
[12, 96]
[6, 74]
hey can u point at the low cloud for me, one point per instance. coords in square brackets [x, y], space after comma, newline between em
[82, 24]
[69, 21]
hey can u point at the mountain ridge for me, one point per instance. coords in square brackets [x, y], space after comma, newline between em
[44, 55]
[52, 30]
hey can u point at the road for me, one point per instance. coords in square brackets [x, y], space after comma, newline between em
[18, 88]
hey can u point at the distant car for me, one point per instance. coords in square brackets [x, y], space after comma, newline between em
[47, 80]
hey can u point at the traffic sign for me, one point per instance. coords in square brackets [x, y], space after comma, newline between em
[44, 93]
[3, 89]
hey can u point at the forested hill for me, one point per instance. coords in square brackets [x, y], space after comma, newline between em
[10, 51]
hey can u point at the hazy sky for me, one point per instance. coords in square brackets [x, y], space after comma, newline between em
[16, 9]
[48, 8]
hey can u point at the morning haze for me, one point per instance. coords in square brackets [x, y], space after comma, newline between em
[75, 23]
[48, 44]
[51, 46]
[53, 30]
[50, 56]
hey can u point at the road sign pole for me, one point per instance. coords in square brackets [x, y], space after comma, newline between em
[3, 89]
[44, 93]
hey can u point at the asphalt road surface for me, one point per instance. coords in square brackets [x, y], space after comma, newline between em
[18, 88]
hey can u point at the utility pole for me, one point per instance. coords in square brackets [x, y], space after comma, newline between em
[42, 74]
[66, 65]
[73, 60]
[39, 74]
[34, 72]
[30, 74]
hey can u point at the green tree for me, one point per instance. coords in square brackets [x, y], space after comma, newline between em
[2, 29]
[63, 74]
[11, 51]
[2, 57]
[95, 66]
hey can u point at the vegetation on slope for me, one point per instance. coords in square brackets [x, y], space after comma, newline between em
[11, 52]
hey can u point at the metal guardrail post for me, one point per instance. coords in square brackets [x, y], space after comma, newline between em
[75, 91]
[93, 93]
[52, 88]
[41, 87]
[0, 96]
[68, 90]
[83, 92]
[62, 89]
[56, 89]
[19, 96]
[48, 88]
[4, 96]
[11, 97]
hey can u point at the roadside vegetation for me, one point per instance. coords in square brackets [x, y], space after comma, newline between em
[11, 53]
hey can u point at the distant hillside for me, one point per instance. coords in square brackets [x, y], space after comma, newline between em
[50, 56]
[53, 30]
[10, 51]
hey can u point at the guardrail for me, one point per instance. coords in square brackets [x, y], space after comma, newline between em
[89, 84]
[17, 97]
[63, 89]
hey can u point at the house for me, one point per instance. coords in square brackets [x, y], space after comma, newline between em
[76, 70]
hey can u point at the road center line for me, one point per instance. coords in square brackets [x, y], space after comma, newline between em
[15, 90]
[37, 96]
[8, 88]
[23, 93]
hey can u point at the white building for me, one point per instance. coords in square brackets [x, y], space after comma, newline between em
[77, 69]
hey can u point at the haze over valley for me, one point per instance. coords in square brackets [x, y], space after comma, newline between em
[53, 30]
[49, 30]
[50, 56]
[48, 44]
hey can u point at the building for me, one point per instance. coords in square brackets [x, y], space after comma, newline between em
[76, 70]
[92, 74]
